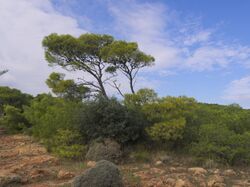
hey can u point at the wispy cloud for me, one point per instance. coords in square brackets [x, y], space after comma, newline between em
[175, 42]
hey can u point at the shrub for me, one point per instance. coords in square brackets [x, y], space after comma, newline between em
[68, 144]
[140, 98]
[105, 118]
[168, 130]
[13, 120]
[13, 97]
[47, 114]
[219, 143]
[172, 119]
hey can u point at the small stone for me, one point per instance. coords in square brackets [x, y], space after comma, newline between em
[91, 164]
[216, 171]
[62, 174]
[169, 182]
[158, 163]
[215, 180]
[197, 171]
[180, 183]
[166, 159]
[229, 172]
[172, 169]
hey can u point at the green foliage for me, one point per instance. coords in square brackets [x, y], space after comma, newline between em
[67, 89]
[140, 98]
[13, 120]
[13, 97]
[109, 119]
[219, 143]
[81, 53]
[170, 118]
[99, 56]
[47, 114]
[168, 130]
[127, 58]
[68, 144]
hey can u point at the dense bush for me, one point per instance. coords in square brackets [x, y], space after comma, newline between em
[13, 119]
[140, 98]
[47, 114]
[68, 144]
[13, 97]
[104, 118]
[167, 130]
[170, 118]
[219, 143]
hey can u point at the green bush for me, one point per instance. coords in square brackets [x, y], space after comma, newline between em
[168, 130]
[219, 143]
[13, 97]
[105, 118]
[172, 119]
[68, 144]
[47, 114]
[13, 120]
[140, 98]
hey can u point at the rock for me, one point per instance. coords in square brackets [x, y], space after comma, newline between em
[10, 180]
[215, 180]
[91, 164]
[216, 171]
[39, 173]
[104, 174]
[169, 182]
[158, 163]
[62, 174]
[229, 172]
[172, 169]
[180, 183]
[106, 150]
[166, 159]
[197, 171]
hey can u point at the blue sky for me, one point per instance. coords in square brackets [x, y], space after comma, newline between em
[202, 48]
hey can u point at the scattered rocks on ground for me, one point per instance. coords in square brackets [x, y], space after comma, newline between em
[104, 174]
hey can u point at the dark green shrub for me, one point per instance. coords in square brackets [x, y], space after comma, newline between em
[104, 118]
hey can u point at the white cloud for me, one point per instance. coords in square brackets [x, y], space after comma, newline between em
[239, 91]
[173, 41]
[23, 24]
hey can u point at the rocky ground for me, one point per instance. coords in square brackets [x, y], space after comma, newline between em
[26, 163]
